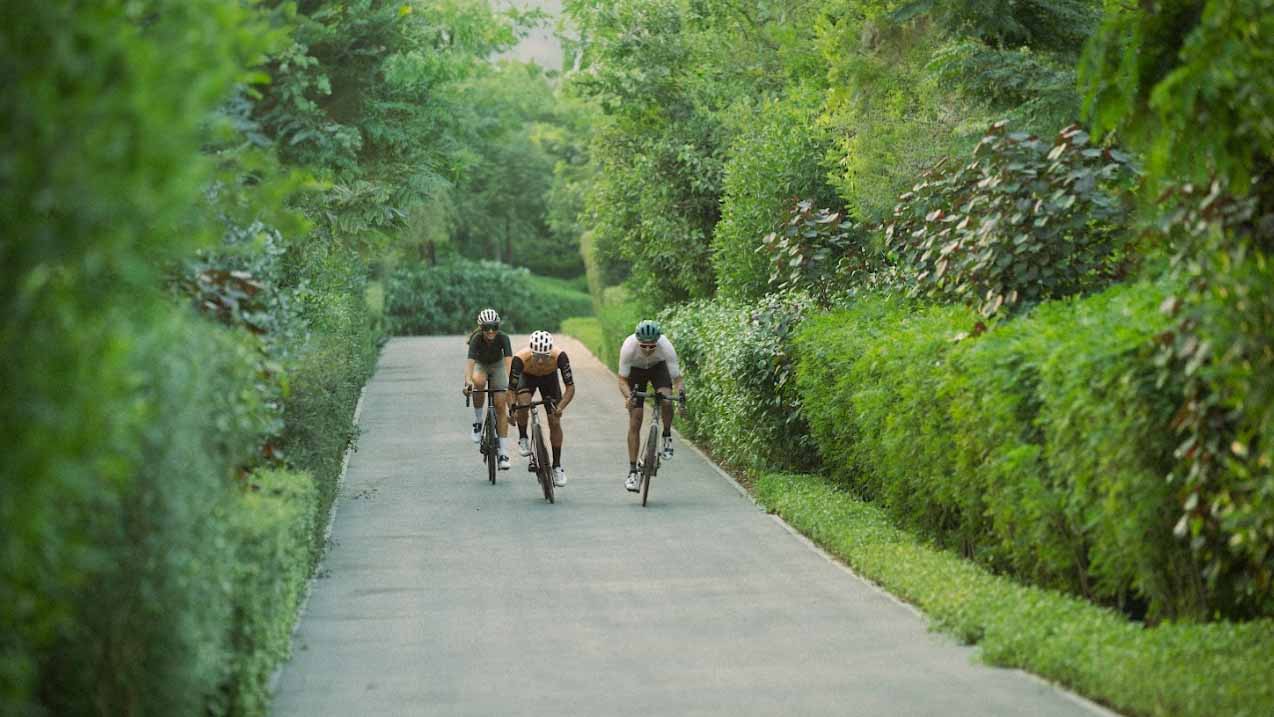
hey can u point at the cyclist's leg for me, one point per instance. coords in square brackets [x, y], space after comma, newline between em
[663, 384]
[552, 389]
[635, 415]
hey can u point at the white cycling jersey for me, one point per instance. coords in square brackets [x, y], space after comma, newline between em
[631, 356]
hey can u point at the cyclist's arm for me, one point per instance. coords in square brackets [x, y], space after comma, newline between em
[624, 390]
[568, 393]
[468, 371]
[515, 372]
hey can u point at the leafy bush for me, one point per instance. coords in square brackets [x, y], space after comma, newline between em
[1187, 84]
[1021, 223]
[1170, 669]
[447, 298]
[818, 251]
[587, 330]
[742, 398]
[618, 315]
[776, 159]
[1038, 448]
[272, 527]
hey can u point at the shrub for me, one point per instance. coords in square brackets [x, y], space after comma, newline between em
[587, 330]
[447, 298]
[818, 251]
[1037, 448]
[272, 529]
[1021, 223]
[742, 398]
[776, 159]
[618, 315]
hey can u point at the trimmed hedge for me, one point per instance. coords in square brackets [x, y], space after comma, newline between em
[1171, 669]
[1039, 448]
[273, 524]
[741, 392]
[587, 330]
[446, 299]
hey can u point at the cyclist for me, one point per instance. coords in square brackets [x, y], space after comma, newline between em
[537, 367]
[647, 356]
[490, 357]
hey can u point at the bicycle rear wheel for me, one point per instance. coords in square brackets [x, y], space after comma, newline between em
[649, 463]
[543, 470]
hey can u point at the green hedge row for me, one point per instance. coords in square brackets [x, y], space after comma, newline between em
[1040, 448]
[446, 299]
[1171, 669]
[741, 391]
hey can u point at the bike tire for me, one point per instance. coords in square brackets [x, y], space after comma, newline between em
[543, 470]
[650, 462]
[492, 445]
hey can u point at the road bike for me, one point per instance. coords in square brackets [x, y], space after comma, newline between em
[648, 456]
[539, 452]
[489, 444]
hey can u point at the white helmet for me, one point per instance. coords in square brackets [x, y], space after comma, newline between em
[541, 342]
[488, 316]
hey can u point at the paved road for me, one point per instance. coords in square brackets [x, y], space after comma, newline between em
[445, 595]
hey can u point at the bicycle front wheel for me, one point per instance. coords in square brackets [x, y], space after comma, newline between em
[649, 463]
[543, 470]
[492, 445]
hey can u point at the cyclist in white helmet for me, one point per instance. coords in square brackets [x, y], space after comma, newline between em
[647, 357]
[489, 361]
[537, 367]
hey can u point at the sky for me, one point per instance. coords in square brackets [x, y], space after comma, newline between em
[540, 46]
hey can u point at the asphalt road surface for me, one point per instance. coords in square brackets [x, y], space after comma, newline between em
[442, 594]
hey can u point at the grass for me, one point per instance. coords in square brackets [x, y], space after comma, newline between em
[1171, 669]
[587, 329]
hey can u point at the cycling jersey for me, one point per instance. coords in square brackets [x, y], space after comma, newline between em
[491, 351]
[631, 356]
[525, 362]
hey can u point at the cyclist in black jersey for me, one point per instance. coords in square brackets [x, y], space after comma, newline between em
[488, 362]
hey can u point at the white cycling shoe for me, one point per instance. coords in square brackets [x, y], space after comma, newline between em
[477, 432]
[633, 482]
[667, 452]
[504, 462]
[559, 476]
[524, 447]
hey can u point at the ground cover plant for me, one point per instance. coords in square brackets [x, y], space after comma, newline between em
[1171, 669]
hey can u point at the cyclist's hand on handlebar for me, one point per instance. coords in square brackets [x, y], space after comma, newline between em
[468, 387]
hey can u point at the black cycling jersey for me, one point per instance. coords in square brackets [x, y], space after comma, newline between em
[490, 351]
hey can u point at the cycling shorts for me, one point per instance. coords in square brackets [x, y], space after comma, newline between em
[657, 375]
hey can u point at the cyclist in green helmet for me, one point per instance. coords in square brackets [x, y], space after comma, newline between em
[647, 357]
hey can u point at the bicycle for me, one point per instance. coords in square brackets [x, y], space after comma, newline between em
[539, 454]
[649, 455]
[489, 445]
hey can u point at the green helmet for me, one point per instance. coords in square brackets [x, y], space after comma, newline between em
[647, 330]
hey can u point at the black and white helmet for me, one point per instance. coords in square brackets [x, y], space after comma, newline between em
[541, 342]
[488, 316]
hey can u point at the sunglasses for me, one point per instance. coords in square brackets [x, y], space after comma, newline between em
[490, 327]
[648, 347]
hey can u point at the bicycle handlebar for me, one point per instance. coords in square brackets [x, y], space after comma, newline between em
[659, 396]
[468, 392]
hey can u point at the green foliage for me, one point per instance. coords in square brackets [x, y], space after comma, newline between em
[1218, 358]
[775, 159]
[273, 526]
[817, 251]
[1170, 669]
[446, 298]
[740, 383]
[1187, 83]
[618, 314]
[588, 330]
[1023, 222]
[1037, 449]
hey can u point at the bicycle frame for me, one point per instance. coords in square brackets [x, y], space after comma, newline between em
[543, 469]
[649, 455]
[489, 445]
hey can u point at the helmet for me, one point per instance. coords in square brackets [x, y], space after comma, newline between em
[488, 316]
[541, 342]
[647, 331]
